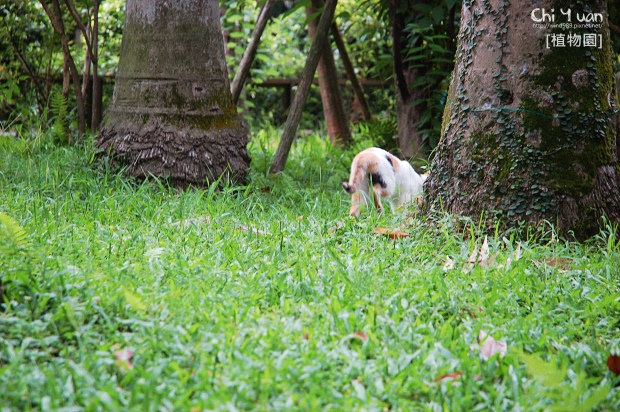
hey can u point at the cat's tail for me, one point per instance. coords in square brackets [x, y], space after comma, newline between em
[363, 164]
[347, 187]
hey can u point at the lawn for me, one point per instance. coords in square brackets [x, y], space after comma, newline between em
[125, 295]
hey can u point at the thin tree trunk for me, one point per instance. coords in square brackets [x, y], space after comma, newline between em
[527, 132]
[336, 118]
[34, 78]
[90, 34]
[350, 71]
[96, 105]
[292, 121]
[58, 25]
[66, 78]
[250, 51]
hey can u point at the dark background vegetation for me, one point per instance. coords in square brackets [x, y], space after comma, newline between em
[31, 61]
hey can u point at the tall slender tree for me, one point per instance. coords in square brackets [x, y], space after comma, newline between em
[527, 129]
[172, 113]
[336, 118]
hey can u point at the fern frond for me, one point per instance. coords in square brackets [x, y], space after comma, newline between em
[13, 229]
[60, 108]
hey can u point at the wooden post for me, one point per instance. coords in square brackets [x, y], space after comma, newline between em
[250, 51]
[97, 89]
[348, 68]
[336, 119]
[294, 115]
[287, 96]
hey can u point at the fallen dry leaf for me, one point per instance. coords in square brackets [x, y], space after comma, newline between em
[491, 346]
[453, 375]
[473, 258]
[480, 256]
[613, 363]
[557, 262]
[484, 251]
[449, 264]
[485, 259]
[391, 233]
[123, 359]
[335, 227]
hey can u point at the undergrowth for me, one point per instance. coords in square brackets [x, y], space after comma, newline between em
[119, 294]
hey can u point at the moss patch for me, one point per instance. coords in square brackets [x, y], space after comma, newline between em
[574, 121]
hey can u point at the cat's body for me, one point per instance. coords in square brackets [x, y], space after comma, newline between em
[377, 173]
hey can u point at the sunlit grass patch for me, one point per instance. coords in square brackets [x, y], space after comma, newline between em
[268, 297]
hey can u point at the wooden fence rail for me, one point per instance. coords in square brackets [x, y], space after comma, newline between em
[285, 83]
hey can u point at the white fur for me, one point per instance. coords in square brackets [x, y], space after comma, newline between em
[402, 183]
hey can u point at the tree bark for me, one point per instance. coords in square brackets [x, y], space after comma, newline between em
[172, 113]
[527, 130]
[294, 115]
[250, 51]
[336, 118]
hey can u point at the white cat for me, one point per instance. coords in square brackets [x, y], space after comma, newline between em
[389, 177]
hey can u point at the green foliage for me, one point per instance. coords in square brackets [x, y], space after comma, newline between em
[111, 19]
[550, 380]
[25, 42]
[367, 36]
[377, 132]
[283, 51]
[9, 91]
[12, 230]
[31, 62]
[431, 51]
[283, 45]
[293, 315]
[60, 123]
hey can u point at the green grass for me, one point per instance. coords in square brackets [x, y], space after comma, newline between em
[219, 317]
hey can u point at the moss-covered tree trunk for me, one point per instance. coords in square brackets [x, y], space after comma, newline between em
[528, 127]
[172, 113]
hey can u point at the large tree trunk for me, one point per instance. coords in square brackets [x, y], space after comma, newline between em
[172, 113]
[527, 130]
[336, 118]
